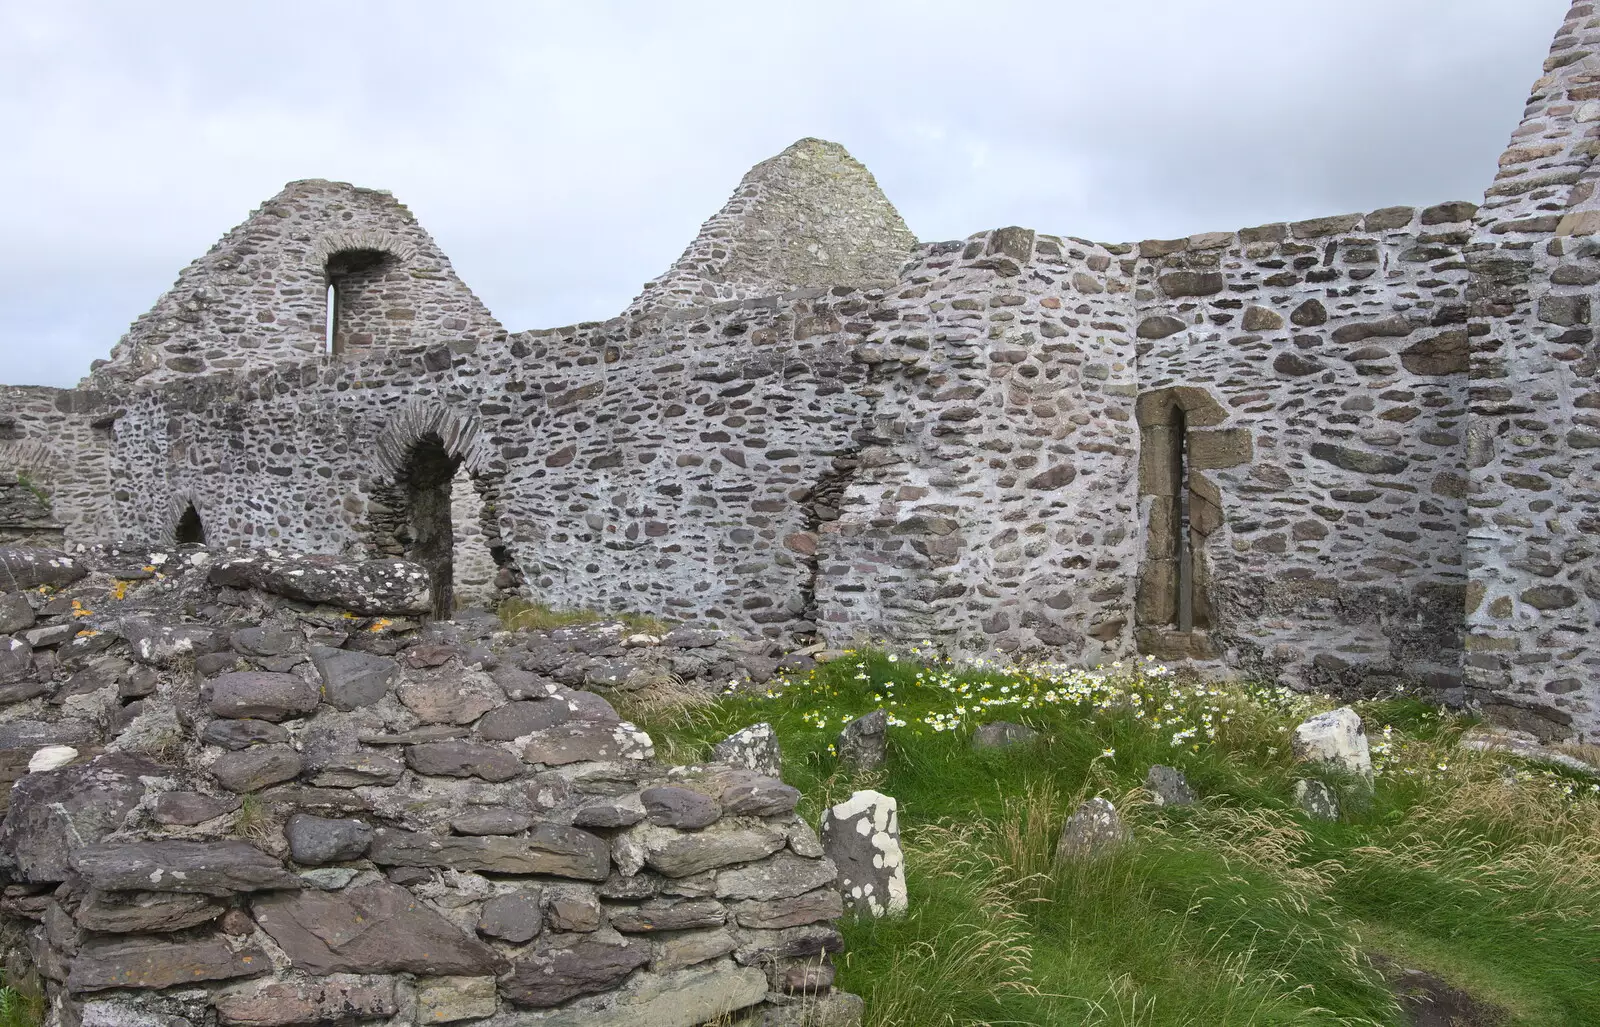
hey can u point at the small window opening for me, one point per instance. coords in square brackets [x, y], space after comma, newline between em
[351, 276]
[1185, 550]
[190, 530]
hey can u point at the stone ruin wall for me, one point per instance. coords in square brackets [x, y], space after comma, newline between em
[978, 450]
[1534, 439]
[259, 791]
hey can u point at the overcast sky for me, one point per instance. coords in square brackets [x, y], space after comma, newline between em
[562, 154]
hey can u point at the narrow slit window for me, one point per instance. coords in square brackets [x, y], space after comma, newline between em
[331, 328]
[1185, 575]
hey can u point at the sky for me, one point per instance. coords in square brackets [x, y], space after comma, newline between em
[563, 154]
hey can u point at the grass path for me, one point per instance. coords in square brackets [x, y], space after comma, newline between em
[1238, 911]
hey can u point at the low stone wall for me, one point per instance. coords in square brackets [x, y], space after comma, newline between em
[232, 806]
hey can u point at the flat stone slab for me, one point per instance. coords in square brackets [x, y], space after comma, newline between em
[138, 912]
[578, 741]
[373, 588]
[55, 812]
[337, 998]
[205, 868]
[543, 979]
[153, 963]
[548, 849]
[262, 695]
[24, 568]
[351, 680]
[378, 928]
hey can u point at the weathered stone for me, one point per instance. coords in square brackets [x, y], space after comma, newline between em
[261, 695]
[1260, 319]
[1178, 284]
[137, 912]
[1317, 799]
[1168, 787]
[580, 740]
[621, 813]
[589, 964]
[862, 837]
[201, 868]
[821, 904]
[1309, 314]
[1336, 739]
[492, 822]
[864, 742]
[376, 928]
[837, 1009]
[669, 915]
[464, 759]
[25, 568]
[151, 963]
[680, 998]
[241, 734]
[1442, 354]
[314, 840]
[1159, 326]
[688, 948]
[351, 680]
[338, 998]
[729, 841]
[252, 769]
[355, 770]
[519, 719]
[186, 809]
[1297, 365]
[163, 645]
[1358, 460]
[1000, 734]
[755, 748]
[671, 806]
[448, 999]
[515, 917]
[452, 699]
[783, 876]
[548, 849]
[54, 813]
[1094, 830]
[374, 588]
[759, 797]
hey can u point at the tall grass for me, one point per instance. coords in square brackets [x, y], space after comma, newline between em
[1238, 911]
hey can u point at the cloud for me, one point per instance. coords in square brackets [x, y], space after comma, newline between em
[563, 154]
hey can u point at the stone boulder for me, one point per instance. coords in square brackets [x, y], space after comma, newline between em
[1318, 800]
[1335, 739]
[1094, 830]
[337, 998]
[1003, 735]
[24, 568]
[351, 680]
[371, 588]
[152, 963]
[15, 613]
[55, 813]
[864, 742]
[589, 964]
[261, 695]
[862, 837]
[1168, 787]
[314, 840]
[754, 748]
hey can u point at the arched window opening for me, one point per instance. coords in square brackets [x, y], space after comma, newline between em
[355, 314]
[191, 531]
[427, 531]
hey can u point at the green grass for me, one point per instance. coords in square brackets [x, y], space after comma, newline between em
[1239, 911]
[523, 615]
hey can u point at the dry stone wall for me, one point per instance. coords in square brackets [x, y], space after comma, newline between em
[257, 790]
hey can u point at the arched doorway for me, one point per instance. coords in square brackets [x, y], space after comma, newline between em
[190, 531]
[425, 530]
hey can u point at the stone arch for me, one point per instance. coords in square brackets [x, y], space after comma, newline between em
[186, 518]
[1181, 509]
[430, 504]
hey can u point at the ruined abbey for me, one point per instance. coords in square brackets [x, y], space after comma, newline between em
[1352, 452]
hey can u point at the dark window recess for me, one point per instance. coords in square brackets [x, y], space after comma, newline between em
[191, 531]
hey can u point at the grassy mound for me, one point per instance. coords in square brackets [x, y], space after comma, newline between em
[1237, 911]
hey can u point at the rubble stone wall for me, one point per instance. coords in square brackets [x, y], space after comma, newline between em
[256, 790]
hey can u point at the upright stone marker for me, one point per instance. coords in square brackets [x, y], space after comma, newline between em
[862, 836]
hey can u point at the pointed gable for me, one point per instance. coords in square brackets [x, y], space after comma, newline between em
[260, 297]
[812, 216]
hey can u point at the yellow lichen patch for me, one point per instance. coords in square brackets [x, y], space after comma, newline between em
[380, 624]
[79, 610]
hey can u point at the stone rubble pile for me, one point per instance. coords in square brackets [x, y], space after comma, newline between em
[257, 792]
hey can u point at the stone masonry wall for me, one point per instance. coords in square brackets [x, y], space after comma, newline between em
[1327, 483]
[1299, 451]
[1534, 442]
[259, 297]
